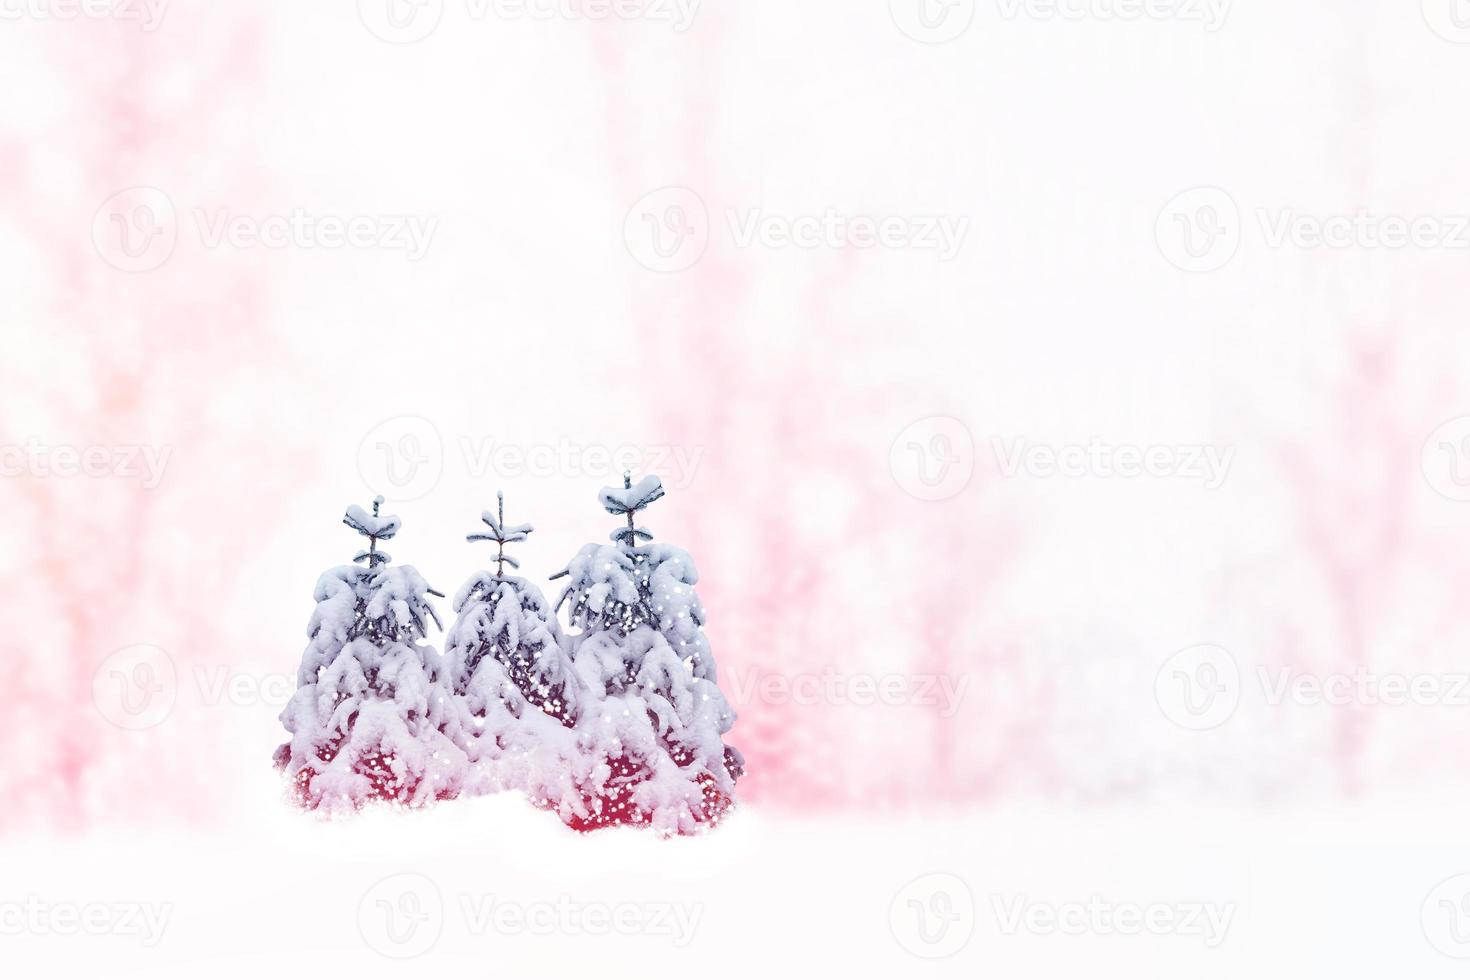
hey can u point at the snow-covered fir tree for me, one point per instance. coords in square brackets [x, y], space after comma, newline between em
[369, 715]
[655, 736]
[513, 682]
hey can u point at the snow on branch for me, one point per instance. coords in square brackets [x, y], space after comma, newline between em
[501, 534]
[631, 499]
[631, 535]
[373, 527]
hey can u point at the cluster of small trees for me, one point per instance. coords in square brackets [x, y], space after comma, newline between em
[619, 723]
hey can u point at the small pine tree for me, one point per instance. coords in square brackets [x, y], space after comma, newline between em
[369, 715]
[505, 652]
[657, 733]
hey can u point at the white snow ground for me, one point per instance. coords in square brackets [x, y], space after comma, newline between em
[491, 888]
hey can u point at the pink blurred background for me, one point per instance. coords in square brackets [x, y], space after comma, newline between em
[582, 283]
